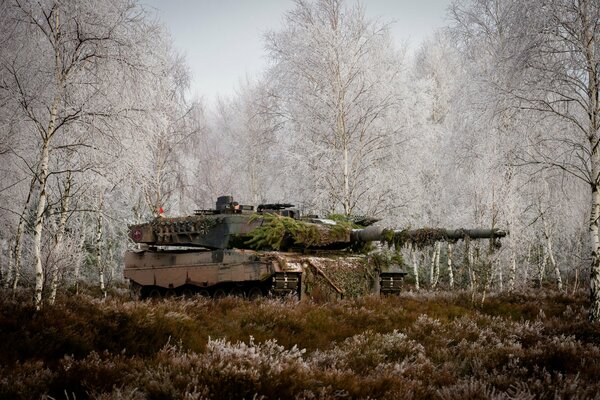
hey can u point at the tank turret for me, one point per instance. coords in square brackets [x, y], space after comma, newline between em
[231, 225]
[234, 247]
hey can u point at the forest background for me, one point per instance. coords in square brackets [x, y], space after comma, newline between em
[492, 122]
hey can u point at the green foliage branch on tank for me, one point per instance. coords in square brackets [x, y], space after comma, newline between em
[276, 230]
[346, 221]
[344, 224]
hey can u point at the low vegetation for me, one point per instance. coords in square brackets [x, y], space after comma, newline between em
[427, 345]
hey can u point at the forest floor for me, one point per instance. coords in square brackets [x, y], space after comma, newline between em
[440, 345]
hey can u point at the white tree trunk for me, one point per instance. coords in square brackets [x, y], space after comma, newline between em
[14, 272]
[513, 271]
[415, 263]
[39, 221]
[542, 267]
[450, 272]
[436, 263]
[472, 278]
[593, 90]
[594, 314]
[111, 264]
[79, 261]
[99, 230]
[58, 240]
[554, 264]
[500, 278]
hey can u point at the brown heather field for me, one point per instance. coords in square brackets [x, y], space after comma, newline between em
[428, 345]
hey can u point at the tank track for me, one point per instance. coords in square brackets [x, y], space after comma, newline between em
[281, 284]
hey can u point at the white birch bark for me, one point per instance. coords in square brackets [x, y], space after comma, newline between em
[594, 313]
[470, 262]
[99, 231]
[513, 271]
[415, 263]
[58, 240]
[550, 252]
[111, 264]
[542, 266]
[593, 90]
[79, 261]
[39, 221]
[14, 271]
[450, 272]
[432, 268]
[436, 263]
[43, 171]
[500, 278]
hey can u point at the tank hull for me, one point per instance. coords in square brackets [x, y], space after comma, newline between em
[253, 274]
[155, 273]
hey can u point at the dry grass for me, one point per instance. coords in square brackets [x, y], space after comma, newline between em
[430, 345]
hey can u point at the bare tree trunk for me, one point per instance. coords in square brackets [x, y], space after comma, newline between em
[58, 240]
[39, 222]
[111, 264]
[542, 266]
[435, 261]
[450, 272]
[77, 272]
[554, 265]
[576, 282]
[513, 271]
[17, 250]
[342, 136]
[529, 265]
[415, 264]
[15, 266]
[432, 268]
[43, 170]
[500, 278]
[470, 267]
[594, 314]
[99, 230]
[550, 253]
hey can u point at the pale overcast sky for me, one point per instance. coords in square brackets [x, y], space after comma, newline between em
[223, 39]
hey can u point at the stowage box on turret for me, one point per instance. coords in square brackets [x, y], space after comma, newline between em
[234, 249]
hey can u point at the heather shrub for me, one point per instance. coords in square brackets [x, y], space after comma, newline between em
[97, 372]
[416, 345]
[370, 353]
[27, 380]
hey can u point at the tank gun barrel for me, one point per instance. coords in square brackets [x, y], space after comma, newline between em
[376, 233]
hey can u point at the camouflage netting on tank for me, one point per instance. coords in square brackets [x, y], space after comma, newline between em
[419, 238]
[277, 232]
[334, 277]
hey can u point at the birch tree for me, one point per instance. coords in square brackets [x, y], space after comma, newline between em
[72, 58]
[333, 74]
[561, 80]
[249, 131]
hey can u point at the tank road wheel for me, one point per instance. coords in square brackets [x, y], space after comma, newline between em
[219, 294]
[255, 293]
[154, 293]
[135, 290]
[187, 293]
[237, 292]
[204, 293]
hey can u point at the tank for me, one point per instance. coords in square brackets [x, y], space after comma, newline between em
[235, 249]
